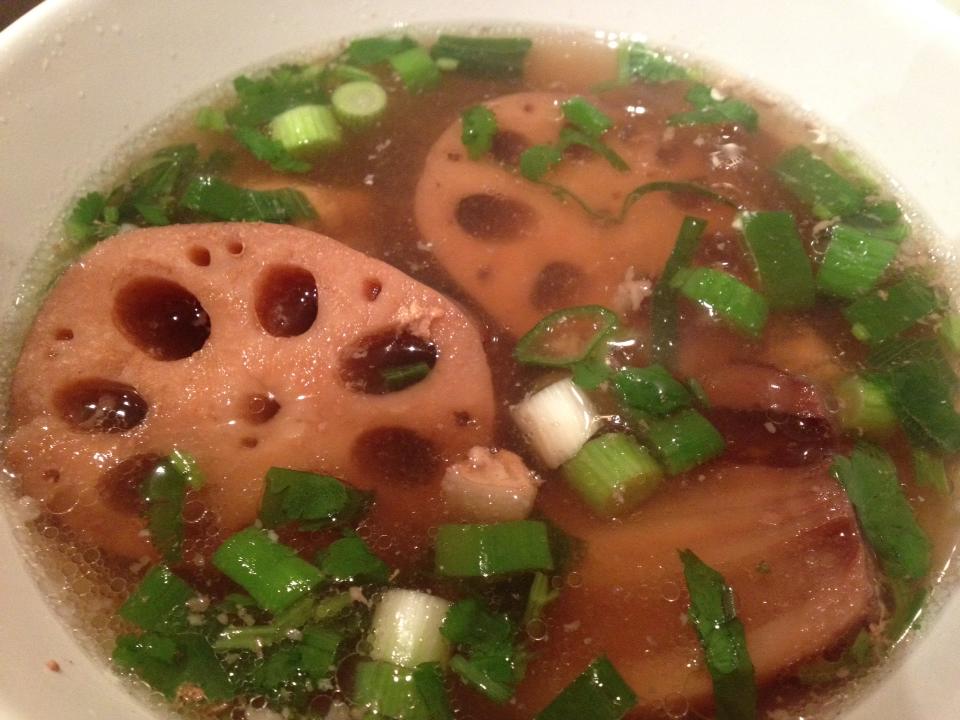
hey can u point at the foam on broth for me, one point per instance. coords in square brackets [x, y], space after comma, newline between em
[88, 586]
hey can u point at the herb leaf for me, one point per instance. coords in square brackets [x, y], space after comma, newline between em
[599, 693]
[314, 501]
[350, 560]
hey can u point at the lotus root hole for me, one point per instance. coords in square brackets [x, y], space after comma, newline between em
[387, 361]
[120, 486]
[556, 285]
[397, 454]
[52, 475]
[63, 334]
[286, 302]
[249, 442]
[199, 256]
[235, 247]
[96, 405]
[372, 288]
[508, 146]
[162, 318]
[494, 218]
[259, 408]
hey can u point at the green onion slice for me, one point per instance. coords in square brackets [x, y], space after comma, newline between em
[219, 200]
[870, 479]
[663, 314]
[865, 408]
[854, 262]
[613, 474]
[725, 297]
[782, 263]
[815, 183]
[416, 69]
[713, 615]
[684, 440]
[357, 104]
[929, 470]
[566, 336]
[496, 549]
[888, 312]
[599, 693]
[272, 573]
[651, 390]
[164, 493]
[488, 57]
[373, 50]
[159, 601]
[479, 128]
[586, 116]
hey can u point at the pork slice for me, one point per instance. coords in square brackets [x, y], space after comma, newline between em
[522, 252]
[267, 387]
[787, 542]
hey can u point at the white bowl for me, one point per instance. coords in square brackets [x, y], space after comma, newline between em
[80, 80]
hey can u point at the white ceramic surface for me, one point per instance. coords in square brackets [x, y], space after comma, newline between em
[81, 79]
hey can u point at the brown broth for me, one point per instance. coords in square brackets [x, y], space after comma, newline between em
[384, 166]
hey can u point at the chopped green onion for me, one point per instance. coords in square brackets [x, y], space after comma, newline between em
[270, 150]
[663, 314]
[888, 312]
[711, 110]
[447, 64]
[159, 601]
[332, 607]
[817, 184]
[557, 421]
[488, 658]
[348, 73]
[537, 160]
[782, 263]
[479, 128]
[489, 57]
[220, 200]
[566, 336]
[400, 377]
[382, 690]
[854, 262]
[164, 493]
[870, 480]
[166, 663]
[272, 573]
[186, 464]
[651, 390]
[313, 501]
[308, 129]
[428, 679]
[359, 103]
[696, 389]
[929, 471]
[406, 628]
[923, 401]
[489, 550]
[541, 594]
[587, 117]
[370, 51]
[416, 69]
[949, 332]
[714, 617]
[209, 118]
[724, 296]
[864, 407]
[898, 352]
[350, 560]
[599, 693]
[253, 638]
[613, 474]
[684, 440]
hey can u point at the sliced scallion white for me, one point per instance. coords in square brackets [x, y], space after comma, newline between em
[406, 628]
[557, 421]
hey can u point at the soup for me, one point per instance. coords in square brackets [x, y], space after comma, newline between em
[583, 385]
